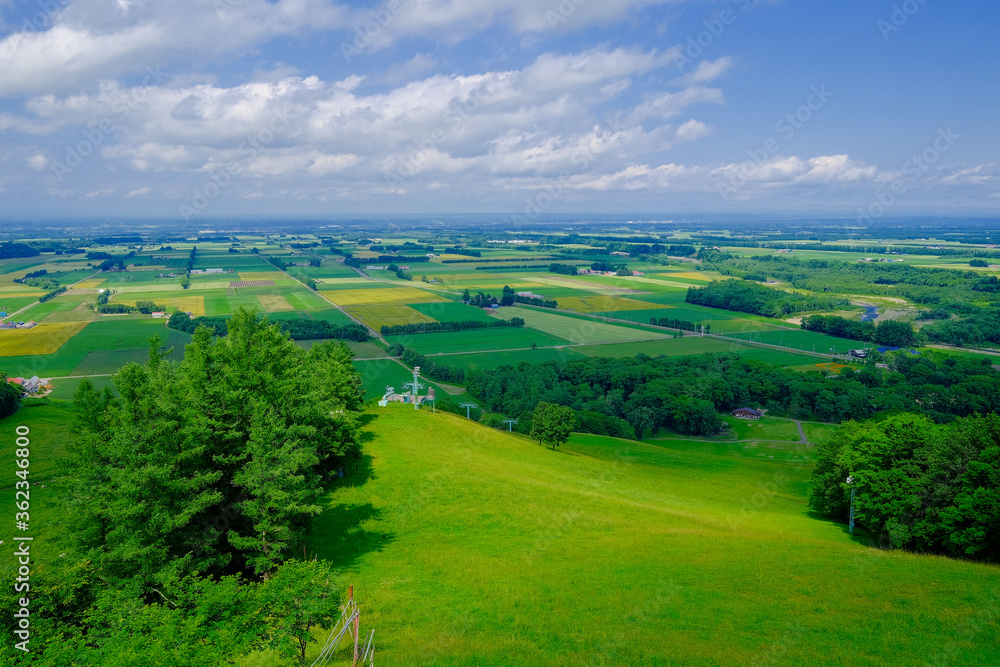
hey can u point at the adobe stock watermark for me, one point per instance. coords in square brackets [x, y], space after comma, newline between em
[562, 13]
[93, 137]
[786, 127]
[365, 34]
[913, 170]
[899, 17]
[223, 178]
[699, 43]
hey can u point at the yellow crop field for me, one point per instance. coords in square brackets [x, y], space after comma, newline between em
[90, 283]
[603, 303]
[261, 275]
[388, 315]
[273, 303]
[188, 304]
[40, 339]
[686, 275]
[381, 296]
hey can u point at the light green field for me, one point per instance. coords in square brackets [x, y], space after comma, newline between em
[468, 546]
[577, 330]
[491, 360]
[506, 338]
[765, 428]
[450, 311]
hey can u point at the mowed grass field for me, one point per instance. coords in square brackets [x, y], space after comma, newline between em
[469, 546]
[384, 295]
[578, 330]
[40, 339]
[602, 303]
[476, 340]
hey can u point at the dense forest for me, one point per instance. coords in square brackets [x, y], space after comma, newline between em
[891, 333]
[947, 288]
[982, 329]
[746, 296]
[685, 393]
[11, 250]
[918, 485]
[188, 497]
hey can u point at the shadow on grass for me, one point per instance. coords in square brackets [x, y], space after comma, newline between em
[337, 535]
[861, 535]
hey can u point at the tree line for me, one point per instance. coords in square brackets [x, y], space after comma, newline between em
[749, 297]
[564, 269]
[684, 325]
[438, 327]
[296, 329]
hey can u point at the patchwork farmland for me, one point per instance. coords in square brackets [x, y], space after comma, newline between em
[595, 315]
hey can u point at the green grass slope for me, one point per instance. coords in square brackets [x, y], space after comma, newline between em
[469, 546]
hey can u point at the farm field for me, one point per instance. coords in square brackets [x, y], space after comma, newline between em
[382, 295]
[484, 340]
[450, 311]
[578, 330]
[491, 360]
[376, 317]
[40, 339]
[462, 514]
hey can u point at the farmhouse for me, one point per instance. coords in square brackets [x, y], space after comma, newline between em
[747, 413]
[859, 354]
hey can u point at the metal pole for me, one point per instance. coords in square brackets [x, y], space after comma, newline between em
[852, 512]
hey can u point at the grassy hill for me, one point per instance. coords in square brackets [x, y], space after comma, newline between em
[468, 546]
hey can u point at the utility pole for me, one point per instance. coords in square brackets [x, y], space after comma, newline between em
[468, 409]
[510, 424]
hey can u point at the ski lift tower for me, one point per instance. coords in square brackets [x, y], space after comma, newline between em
[416, 386]
[510, 424]
[468, 409]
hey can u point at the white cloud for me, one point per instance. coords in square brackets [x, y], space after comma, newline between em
[139, 192]
[97, 39]
[38, 162]
[708, 70]
[100, 193]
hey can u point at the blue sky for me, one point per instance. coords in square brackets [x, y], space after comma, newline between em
[239, 108]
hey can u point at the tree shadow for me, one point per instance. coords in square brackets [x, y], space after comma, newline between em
[861, 535]
[356, 473]
[338, 538]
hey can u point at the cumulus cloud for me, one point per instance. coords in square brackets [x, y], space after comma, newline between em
[97, 39]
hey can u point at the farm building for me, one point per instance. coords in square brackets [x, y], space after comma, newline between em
[859, 354]
[215, 270]
[747, 413]
[159, 314]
